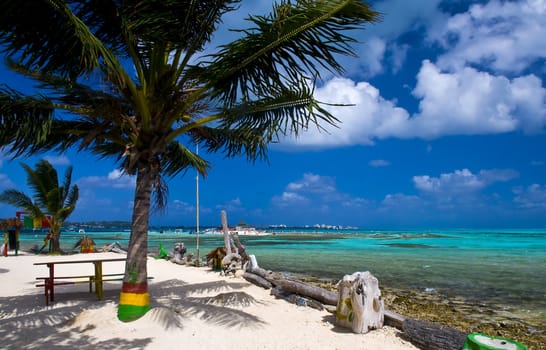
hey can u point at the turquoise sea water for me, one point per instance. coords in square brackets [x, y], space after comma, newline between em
[505, 268]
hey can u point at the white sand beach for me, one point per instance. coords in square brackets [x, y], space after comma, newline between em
[192, 308]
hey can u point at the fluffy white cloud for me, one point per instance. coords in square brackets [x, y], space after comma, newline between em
[114, 179]
[472, 102]
[467, 102]
[312, 183]
[501, 35]
[319, 190]
[287, 199]
[462, 182]
[365, 116]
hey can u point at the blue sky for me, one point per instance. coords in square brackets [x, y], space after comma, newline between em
[447, 130]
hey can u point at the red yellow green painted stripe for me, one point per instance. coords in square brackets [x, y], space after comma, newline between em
[134, 301]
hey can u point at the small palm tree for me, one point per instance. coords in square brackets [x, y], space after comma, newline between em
[51, 202]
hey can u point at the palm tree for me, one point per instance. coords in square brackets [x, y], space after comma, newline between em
[50, 201]
[134, 84]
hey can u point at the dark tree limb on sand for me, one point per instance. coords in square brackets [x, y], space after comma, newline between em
[433, 336]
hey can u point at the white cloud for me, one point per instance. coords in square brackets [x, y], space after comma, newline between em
[182, 207]
[114, 179]
[400, 16]
[461, 182]
[369, 116]
[400, 200]
[312, 183]
[467, 102]
[232, 205]
[58, 160]
[398, 55]
[319, 190]
[501, 35]
[370, 56]
[288, 199]
[5, 182]
[379, 163]
[532, 197]
[471, 102]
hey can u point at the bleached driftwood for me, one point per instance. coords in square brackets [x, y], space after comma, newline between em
[255, 273]
[230, 262]
[257, 280]
[305, 289]
[251, 263]
[360, 306]
[227, 240]
[177, 256]
[114, 247]
[240, 248]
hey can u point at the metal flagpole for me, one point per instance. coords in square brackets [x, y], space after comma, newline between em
[198, 263]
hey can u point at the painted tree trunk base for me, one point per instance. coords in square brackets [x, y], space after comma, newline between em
[134, 301]
[360, 306]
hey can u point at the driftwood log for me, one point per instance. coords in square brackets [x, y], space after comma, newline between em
[289, 285]
[296, 299]
[257, 280]
[304, 289]
[432, 336]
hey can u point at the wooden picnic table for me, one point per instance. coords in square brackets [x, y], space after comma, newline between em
[97, 278]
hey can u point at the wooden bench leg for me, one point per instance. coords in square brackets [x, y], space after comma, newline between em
[46, 292]
[48, 289]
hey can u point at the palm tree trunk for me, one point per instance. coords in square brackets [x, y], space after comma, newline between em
[134, 299]
[55, 230]
[55, 244]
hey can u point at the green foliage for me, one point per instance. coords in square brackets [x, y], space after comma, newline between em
[49, 197]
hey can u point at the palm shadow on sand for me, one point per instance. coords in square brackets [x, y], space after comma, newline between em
[25, 320]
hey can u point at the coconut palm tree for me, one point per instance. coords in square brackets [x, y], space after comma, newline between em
[51, 201]
[130, 80]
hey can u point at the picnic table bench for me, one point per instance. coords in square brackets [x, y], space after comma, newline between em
[50, 281]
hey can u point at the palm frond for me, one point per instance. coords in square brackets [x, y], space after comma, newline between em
[70, 201]
[44, 182]
[250, 142]
[20, 200]
[292, 42]
[67, 182]
[179, 158]
[24, 120]
[186, 24]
